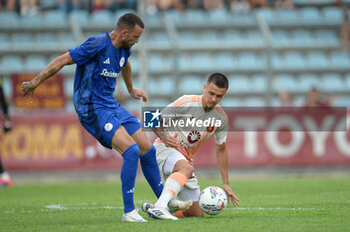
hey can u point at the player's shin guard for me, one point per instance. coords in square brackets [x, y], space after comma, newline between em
[151, 171]
[128, 176]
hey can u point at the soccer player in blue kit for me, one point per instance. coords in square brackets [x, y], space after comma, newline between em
[99, 61]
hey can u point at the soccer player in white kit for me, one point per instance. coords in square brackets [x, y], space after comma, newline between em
[176, 148]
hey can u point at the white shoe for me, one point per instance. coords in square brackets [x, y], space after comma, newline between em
[175, 205]
[133, 216]
[160, 213]
[146, 206]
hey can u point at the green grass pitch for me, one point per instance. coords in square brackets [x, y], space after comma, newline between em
[266, 204]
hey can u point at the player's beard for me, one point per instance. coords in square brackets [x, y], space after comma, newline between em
[126, 45]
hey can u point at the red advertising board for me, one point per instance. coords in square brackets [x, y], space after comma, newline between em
[58, 141]
[49, 95]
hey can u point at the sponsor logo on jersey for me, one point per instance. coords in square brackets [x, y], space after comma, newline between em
[122, 61]
[106, 73]
[193, 137]
[107, 61]
[108, 126]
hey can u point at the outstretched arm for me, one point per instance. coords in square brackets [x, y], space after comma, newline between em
[50, 70]
[135, 93]
[222, 160]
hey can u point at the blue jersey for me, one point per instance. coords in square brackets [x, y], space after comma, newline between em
[98, 65]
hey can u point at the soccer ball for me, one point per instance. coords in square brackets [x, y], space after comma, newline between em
[212, 200]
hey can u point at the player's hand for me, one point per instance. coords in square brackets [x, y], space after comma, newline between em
[28, 89]
[231, 196]
[171, 141]
[138, 94]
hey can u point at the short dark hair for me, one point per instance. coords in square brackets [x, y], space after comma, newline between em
[219, 79]
[129, 21]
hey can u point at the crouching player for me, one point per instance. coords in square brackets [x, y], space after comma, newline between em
[176, 148]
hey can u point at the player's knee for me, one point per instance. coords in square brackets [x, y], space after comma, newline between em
[132, 153]
[187, 170]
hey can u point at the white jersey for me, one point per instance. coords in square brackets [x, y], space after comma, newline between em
[189, 109]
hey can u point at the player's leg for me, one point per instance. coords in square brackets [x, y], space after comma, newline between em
[148, 162]
[179, 170]
[5, 180]
[125, 145]
[190, 192]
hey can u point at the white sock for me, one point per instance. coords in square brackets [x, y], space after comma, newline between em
[172, 187]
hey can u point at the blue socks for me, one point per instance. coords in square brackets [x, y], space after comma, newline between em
[128, 176]
[151, 171]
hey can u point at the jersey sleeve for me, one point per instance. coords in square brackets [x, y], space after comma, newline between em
[221, 133]
[83, 53]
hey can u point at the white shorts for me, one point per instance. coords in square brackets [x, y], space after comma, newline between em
[167, 158]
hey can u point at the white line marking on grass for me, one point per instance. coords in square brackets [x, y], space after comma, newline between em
[277, 208]
[59, 207]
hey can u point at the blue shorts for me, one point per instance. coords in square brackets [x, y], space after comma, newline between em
[102, 123]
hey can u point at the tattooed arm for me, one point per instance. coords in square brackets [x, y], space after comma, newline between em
[50, 70]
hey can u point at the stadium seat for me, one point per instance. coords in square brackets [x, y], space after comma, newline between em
[286, 17]
[45, 41]
[258, 83]
[317, 60]
[285, 82]
[239, 84]
[242, 19]
[7, 86]
[188, 38]
[192, 17]
[302, 37]
[250, 61]
[153, 20]
[66, 41]
[164, 85]
[267, 14]
[344, 101]
[327, 37]
[209, 38]
[135, 63]
[280, 37]
[81, 17]
[175, 16]
[307, 81]
[34, 63]
[332, 15]
[340, 60]
[159, 63]
[11, 64]
[254, 102]
[218, 17]
[22, 41]
[347, 82]
[159, 39]
[233, 37]
[254, 37]
[332, 82]
[101, 19]
[294, 60]
[224, 61]
[68, 84]
[4, 43]
[191, 84]
[55, 19]
[31, 21]
[310, 16]
[202, 61]
[277, 61]
[230, 102]
[9, 20]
